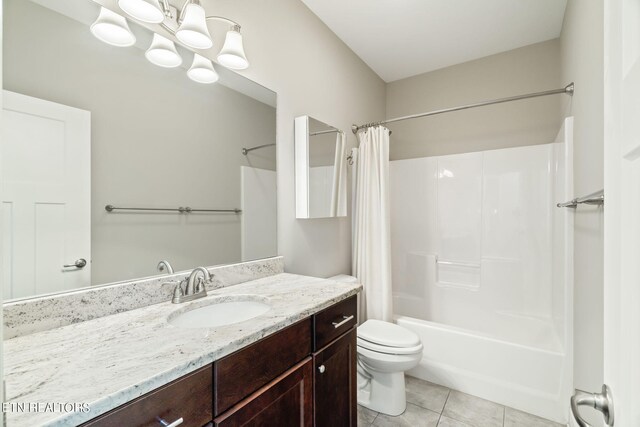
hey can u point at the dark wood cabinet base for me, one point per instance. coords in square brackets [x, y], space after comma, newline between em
[303, 375]
[334, 384]
[286, 401]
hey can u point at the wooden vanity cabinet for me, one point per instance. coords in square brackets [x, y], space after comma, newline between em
[187, 398]
[335, 383]
[285, 401]
[319, 391]
[303, 375]
[239, 374]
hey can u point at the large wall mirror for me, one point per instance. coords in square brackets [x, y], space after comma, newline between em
[87, 125]
[321, 169]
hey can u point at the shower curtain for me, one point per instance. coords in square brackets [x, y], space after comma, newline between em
[372, 240]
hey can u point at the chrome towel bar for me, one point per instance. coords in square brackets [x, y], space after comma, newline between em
[181, 209]
[596, 198]
[246, 151]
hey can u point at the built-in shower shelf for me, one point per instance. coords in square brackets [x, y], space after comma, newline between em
[458, 274]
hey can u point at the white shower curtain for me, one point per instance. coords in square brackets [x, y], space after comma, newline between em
[372, 237]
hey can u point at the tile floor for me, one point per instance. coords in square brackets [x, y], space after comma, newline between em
[431, 405]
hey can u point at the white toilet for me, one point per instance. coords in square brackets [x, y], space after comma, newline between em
[385, 352]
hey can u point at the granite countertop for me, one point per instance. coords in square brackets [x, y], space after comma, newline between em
[111, 360]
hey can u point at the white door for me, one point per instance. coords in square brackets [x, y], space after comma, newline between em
[622, 209]
[46, 195]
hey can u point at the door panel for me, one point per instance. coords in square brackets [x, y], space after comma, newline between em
[46, 188]
[622, 209]
[335, 383]
[286, 401]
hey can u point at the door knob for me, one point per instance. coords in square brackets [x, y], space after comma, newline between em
[602, 402]
[321, 369]
[80, 263]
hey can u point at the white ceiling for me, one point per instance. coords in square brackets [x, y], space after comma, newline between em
[402, 38]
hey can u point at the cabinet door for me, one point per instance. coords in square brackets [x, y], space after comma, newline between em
[285, 401]
[335, 384]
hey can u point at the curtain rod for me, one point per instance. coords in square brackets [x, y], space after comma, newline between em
[568, 90]
[322, 132]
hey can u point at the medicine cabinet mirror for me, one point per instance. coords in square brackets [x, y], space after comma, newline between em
[321, 169]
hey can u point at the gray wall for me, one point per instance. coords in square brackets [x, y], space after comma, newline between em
[314, 73]
[158, 139]
[528, 69]
[582, 61]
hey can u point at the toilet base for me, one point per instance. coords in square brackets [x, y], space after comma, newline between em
[384, 392]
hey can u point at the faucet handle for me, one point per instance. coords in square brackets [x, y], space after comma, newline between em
[200, 282]
[178, 293]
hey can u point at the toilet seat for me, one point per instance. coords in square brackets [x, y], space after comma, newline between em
[388, 338]
[388, 350]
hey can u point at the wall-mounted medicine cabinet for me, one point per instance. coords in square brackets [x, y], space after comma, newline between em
[321, 169]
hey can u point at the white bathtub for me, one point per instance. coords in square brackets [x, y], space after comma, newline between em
[483, 271]
[527, 378]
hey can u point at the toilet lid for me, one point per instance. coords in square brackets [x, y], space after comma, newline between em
[387, 334]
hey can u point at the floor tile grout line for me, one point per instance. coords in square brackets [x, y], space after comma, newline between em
[453, 417]
[375, 418]
[443, 406]
[445, 402]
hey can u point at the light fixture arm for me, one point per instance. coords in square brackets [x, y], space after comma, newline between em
[231, 22]
[166, 9]
[180, 18]
[168, 28]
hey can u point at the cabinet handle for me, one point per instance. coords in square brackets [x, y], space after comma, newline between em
[173, 424]
[321, 369]
[345, 319]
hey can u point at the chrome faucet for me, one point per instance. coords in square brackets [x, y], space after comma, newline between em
[194, 286]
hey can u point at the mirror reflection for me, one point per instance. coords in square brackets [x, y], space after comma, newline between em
[321, 161]
[87, 125]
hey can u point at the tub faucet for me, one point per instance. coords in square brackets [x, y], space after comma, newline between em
[195, 286]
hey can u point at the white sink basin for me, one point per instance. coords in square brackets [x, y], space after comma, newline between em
[219, 314]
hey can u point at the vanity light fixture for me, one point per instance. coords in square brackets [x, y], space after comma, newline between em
[163, 53]
[232, 53]
[188, 24]
[143, 10]
[202, 70]
[193, 30]
[112, 29]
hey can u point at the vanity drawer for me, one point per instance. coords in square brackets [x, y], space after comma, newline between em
[188, 398]
[334, 321]
[238, 375]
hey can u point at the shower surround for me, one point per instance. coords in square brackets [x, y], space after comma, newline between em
[483, 273]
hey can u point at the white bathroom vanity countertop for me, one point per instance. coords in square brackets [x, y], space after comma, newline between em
[111, 360]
